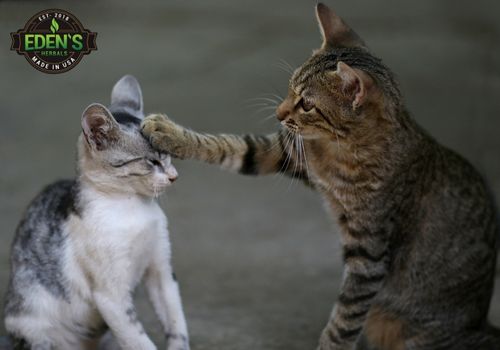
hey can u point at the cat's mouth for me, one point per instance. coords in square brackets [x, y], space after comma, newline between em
[159, 188]
[291, 125]
[163, 183]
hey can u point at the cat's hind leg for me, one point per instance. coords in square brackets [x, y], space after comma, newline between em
[22, 344]
[448, 339]
[28, 333]
[363, 343]
[108, 342]
[383, 330]
[487, 339]
[17, 344]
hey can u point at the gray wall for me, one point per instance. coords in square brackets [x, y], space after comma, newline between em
[258, 259]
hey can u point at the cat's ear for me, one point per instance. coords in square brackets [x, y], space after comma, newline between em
[335, 32]
[354, 84]
[126, 97]
[99, 127]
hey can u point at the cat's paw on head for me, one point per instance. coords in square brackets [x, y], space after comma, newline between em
[112, 152]
[165, 135]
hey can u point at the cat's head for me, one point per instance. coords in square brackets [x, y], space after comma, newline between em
[113, 155]
[342, 90]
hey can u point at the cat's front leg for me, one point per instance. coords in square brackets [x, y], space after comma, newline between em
[117, 309]
[245, 154]
[365, 271]
[163, 290]
[169, 137]
[164, 294]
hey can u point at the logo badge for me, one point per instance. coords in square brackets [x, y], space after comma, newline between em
[53, 41]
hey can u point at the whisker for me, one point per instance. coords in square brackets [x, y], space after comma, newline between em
[276, 96]
[305, 157]
[268, 117]
[284, 166]
[273, 146]
[265, 109]
[296, 165]
[265, 103]
[262, 104]
[155, 192]
[287, 64]
[299, 155]
[262, 99]
[283, 68]
[289, 153]
[337, 135]
[273, 101]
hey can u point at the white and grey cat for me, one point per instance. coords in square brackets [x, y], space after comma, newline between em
[84, 245]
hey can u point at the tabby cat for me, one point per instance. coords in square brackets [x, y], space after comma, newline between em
[83, 245]
[418, 226]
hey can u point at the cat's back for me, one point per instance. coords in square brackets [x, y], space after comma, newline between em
[40, 238]
[462, 187]
[45, 214]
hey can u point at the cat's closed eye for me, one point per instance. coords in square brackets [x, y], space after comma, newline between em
[306, 105]
[124, 162]
[153, 162]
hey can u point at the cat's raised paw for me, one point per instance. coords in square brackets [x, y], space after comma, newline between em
[153, 123]
[164, 135]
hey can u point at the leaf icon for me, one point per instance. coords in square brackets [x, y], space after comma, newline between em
[54, 26]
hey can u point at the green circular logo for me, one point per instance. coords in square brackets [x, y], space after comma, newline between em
[53, 41]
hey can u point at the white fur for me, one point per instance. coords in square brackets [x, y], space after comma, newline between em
[232, 163]
[121, 239]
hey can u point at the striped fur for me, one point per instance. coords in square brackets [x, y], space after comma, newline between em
[418, 227]
[247, 154]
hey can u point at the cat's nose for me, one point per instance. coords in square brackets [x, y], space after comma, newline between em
[172, 173]
[282, 112]
[284, 109]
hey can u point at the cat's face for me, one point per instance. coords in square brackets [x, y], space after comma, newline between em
[113, 153]
[334, 94]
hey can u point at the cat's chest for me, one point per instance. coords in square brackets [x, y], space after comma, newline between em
[120, 233]
[126, 215]
[125, 224]
[337, 177]
[320, 160]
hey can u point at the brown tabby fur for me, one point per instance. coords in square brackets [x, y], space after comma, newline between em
[418, 226]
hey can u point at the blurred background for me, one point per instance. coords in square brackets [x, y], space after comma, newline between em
[258, 259]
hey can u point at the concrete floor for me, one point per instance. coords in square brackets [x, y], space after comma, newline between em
[258, 259]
